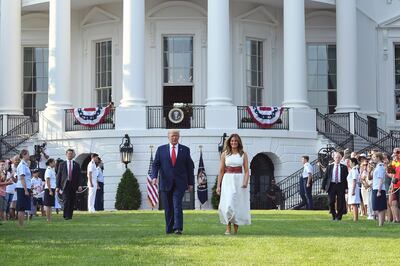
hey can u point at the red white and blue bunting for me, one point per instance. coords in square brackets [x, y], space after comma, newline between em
[265, 116]
[91, 117]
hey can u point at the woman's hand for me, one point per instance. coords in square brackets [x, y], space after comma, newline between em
[244, 186]
[50, 192]
[219, 190]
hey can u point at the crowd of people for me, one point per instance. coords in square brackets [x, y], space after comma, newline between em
[29, 184]
[361, 184]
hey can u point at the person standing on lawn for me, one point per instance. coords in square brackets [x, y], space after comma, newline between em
[176, 168]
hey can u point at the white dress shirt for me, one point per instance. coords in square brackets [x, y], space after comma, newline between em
[176, 149]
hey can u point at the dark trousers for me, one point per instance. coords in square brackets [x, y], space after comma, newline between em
[172, 203]
[306, 194]
[99, 201]
[69, 199]
[337, 201]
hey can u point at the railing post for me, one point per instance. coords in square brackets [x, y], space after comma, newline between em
[352, 122]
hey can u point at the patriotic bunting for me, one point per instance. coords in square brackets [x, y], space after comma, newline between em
[265, 116]
[91, 117]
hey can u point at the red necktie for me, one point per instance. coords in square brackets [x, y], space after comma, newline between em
[173, 155]
[337, 174]
[70, 171]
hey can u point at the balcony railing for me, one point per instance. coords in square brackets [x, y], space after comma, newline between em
[245, 121]
[160, 117]
[71, 124]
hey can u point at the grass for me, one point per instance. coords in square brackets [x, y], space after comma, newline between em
[137, 238]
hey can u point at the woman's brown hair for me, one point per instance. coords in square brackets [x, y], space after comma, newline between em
[228, 147]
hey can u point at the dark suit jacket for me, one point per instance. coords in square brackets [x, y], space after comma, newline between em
[326, 182]
[182, 174]
[62, 175]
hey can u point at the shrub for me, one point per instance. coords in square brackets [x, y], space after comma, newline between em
[128, 196]
[215, 197]
[321, 202]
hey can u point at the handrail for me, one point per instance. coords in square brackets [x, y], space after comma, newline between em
[193, 116]
[384, 140]
[334, 132]
[290, 185]
[18, 135]
[342, 119]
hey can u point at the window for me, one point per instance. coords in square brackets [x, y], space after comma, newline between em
[321, 69]
[35, 81]
[103, 86]
[397, 80]
[178, 59]
[254, 72]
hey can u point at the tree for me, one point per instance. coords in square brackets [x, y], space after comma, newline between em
[215, 197]
[128, 196]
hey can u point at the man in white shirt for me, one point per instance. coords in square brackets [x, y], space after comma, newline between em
[92, 174]
[306, 184]
[99, 202]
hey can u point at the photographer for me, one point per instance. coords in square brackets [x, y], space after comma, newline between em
[41, 158]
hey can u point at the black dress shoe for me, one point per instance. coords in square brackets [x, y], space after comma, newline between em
[178, 232]
[67, 218]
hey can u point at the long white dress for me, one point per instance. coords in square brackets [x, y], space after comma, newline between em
[234, 205]
[353, 175]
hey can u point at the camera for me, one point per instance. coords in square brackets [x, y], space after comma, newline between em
[38, 150]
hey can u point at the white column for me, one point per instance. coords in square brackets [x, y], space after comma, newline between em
[294, 49]
[346, 50]
[218, 54]
[59, 96]
[133, 54]
[131, 113]
[10, 58]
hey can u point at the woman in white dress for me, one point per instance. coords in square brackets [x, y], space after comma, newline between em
[233, 180]
[353, 183]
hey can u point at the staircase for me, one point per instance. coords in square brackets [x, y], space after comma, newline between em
[336, 128]
[19, 130]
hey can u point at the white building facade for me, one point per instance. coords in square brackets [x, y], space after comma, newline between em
[218, 56]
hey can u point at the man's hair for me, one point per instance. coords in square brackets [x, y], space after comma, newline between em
[306, 157]
[69, 150]
[94, 155]
[172, 131]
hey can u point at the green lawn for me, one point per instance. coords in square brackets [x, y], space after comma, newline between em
[137, 238]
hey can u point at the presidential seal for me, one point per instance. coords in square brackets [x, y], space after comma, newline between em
[176, 115]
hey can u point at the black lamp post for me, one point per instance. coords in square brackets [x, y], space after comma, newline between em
[126, 150]
[221, 143]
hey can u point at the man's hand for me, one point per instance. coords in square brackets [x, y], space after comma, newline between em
[190, 188]
[308, 184]
[154, 181]
[79, 188]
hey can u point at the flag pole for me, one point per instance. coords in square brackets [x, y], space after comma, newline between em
[201, 151]
[151, 154]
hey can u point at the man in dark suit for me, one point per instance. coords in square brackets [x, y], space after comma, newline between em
[176, 169]
[69, 180]
[335, 183]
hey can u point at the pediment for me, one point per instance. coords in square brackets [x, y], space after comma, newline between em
[98, 16]
[35, 21]
[259, 14]
[391, 23]
[177, 9]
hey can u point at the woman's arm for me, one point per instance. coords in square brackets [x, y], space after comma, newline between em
[246, 171]
[221, 172]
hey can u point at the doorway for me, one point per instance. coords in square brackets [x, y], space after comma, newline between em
[178, 78]
[262, 172]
